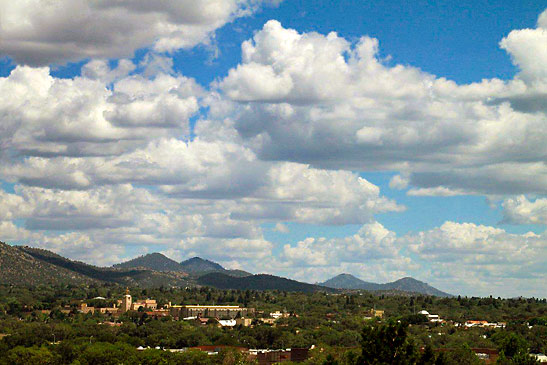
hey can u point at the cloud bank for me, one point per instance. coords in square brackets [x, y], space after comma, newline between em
[41, 32]
[318, 99]
[128, 158]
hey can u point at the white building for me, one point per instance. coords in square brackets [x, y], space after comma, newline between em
[540, 357]
[278, 314]
[431, 317]
[227, 322]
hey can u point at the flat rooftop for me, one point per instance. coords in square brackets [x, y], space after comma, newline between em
[208, 306]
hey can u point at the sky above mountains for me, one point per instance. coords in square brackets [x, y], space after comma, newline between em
[297, 138]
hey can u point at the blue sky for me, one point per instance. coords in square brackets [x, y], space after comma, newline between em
[454, 39]
[411, 138]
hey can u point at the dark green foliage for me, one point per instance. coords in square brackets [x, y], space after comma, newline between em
[30, 355]
[511, 344]
[387, 344]
[257, 282]
[414, 319]
[102, 353]
[458, 356]
[513, 349]
[332, 322]
[428, 357]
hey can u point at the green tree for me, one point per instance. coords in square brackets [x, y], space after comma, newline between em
[460, 355]
[387, 344]
[191, 357]
[514, 350]
[31, 355]
[101, 353]
[155, 357]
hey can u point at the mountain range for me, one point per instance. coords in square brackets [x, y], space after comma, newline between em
[20, 268]
[22, 265]
[348, 281]
[196, 266]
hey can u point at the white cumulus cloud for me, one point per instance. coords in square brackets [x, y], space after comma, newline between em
[319, 99]
[520, 210]
[41, 32]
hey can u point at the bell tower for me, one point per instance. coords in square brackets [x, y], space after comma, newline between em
[126, 301]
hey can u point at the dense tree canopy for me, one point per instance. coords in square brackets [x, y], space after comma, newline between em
[41, 325]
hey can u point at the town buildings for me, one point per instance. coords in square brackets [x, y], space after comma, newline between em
[245, 322]
[267, 357]
[210, 311]
[540, 357]
[484, 324]
[84, 308]
[278, 314]
[376, 313]
[487, 355]
[126, 304]
[431, 317]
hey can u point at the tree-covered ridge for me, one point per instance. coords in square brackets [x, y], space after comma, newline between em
[18, 267]
[131, 277]
[258, 282]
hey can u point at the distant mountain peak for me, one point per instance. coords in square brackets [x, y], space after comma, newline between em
[156, 254]
[346, 275]
[413, 285]
[153, 261]
[199, 259]
[407, 284]
[408, 278]
[197, 265]
[349, 281]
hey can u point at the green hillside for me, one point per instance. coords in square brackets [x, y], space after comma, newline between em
[128, 277]
[258, 282]
[20, 268]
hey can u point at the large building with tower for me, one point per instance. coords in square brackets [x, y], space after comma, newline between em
[127, 303]
[210, 311]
